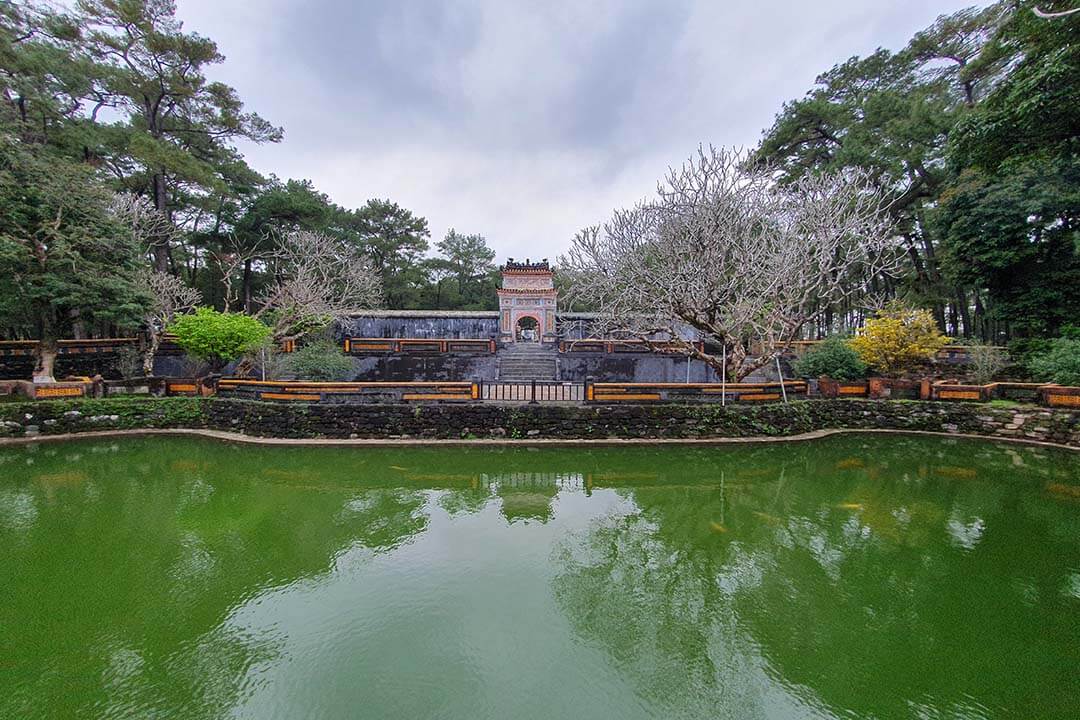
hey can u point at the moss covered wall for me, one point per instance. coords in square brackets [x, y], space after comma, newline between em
[538, 421]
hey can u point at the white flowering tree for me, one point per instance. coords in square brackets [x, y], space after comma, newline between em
[169, 296]
[725, 250]
[317, 279]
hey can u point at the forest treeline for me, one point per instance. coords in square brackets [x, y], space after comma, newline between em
[971, 129]
[115, 93]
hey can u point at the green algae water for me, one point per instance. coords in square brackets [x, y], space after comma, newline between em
[853, 577]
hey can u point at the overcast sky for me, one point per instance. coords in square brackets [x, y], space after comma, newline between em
[525, 121]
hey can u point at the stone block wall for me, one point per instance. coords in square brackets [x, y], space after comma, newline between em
[479, 420]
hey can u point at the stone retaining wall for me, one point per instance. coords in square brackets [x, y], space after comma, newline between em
[539, 421]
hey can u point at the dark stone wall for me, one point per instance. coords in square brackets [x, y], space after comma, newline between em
[572, 367]
[104, 364]
[482, 326]
[423, 368]
[172, 366]
[409, 367]
[21, 367]
[631, 367]
[467, 420]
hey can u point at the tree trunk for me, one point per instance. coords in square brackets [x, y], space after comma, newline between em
[938, 311]
[47, 349]
[161, 244]
[980, 318]
[245, 287]
[45, 362]
[148, 354]
[965, 311]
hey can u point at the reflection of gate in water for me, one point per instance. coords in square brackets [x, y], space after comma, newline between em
[528, 496]
[530, 480]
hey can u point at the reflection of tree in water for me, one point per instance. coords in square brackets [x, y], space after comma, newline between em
[652, 608]
[839, 577]
[191, 533]
[740, 586]
[194, 530]
[381, 519]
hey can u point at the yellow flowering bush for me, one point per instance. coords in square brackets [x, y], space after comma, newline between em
[898, 340]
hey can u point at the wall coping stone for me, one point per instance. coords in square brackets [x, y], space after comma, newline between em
[241, 438]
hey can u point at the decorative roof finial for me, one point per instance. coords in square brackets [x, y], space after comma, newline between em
[528, 266]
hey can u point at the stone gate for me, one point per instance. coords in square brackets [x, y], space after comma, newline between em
[527, 302]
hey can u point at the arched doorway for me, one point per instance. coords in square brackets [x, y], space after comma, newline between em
[528, 329]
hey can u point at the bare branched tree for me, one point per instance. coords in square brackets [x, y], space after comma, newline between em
[149, 225]
[317, 279]
[170, 298]
[230, 260]
[727, 252]
[169, 295]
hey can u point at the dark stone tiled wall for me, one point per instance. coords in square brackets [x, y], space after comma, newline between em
[465, 420]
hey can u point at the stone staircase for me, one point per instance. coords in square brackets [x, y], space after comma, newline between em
[524, 362]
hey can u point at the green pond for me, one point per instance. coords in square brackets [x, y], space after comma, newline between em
[858, 576]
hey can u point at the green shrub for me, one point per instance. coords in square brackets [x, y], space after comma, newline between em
[832, 358]
[218, 337]
[1060, 364]
[1024, 352]
[320, 360]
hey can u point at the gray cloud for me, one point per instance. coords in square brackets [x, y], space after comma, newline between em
[524, 121]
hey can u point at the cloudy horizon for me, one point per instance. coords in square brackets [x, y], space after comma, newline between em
[523, 123]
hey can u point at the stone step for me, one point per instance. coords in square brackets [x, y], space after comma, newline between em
[526, 361]
[523, 363]
[527, 353]
[546, 374]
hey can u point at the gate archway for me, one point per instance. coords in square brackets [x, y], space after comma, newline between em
[528, 329]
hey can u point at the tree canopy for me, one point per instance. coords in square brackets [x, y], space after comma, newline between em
[104, 98]
[972, 129]
[968, 135]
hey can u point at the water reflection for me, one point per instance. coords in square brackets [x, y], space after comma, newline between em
[870, 590]
[847, 578]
